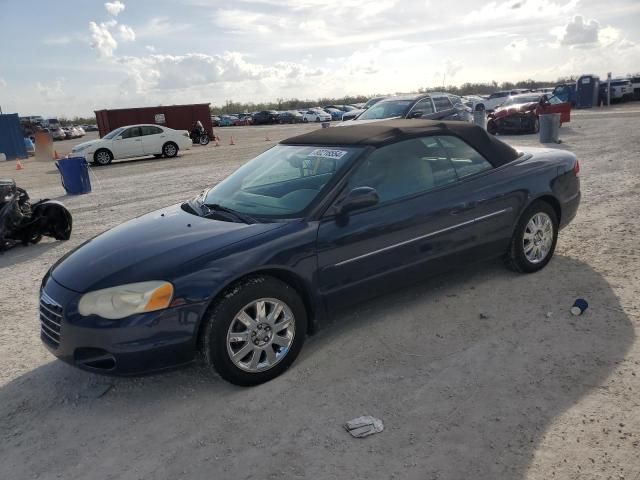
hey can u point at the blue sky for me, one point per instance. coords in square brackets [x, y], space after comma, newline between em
[74, 56]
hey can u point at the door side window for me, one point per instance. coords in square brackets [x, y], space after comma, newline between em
[425, 106]
[149, 130]
[442, 103]
[404, 169]
[131, 132]
[465, 159]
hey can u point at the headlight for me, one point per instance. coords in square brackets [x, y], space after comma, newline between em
[125, 300]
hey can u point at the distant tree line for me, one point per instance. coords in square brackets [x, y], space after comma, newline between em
[65, 122]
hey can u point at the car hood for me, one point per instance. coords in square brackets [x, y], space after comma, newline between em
[157, 246]
[515, 108]
[85, 144]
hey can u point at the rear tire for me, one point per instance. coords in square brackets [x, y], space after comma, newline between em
[102, 157]
[225, 334]
[531, 236]
[204, 140]
[170, 150]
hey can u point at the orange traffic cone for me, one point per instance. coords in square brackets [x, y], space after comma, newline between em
[55, 155]
[217, 142]
[19, 165]
[231, 142]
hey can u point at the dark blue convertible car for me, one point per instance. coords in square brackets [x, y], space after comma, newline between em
[243, 272]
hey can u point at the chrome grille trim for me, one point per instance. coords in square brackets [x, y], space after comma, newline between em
[50, 315]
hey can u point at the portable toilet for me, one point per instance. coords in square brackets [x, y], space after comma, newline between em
[11, 137]
[587, 88]
[566, 92]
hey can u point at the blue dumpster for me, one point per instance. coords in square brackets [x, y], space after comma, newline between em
[74, 173]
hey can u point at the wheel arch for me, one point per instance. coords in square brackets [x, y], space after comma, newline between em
[551, 200]
[286, 276]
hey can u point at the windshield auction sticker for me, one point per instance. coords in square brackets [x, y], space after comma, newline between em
[327, 153]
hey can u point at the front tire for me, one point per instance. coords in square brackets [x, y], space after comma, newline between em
[492, 127]
[305, 120]
[534, 239]
[170, 150]
[536, 124]
[102, 157]
[204, 140]
[255, 331]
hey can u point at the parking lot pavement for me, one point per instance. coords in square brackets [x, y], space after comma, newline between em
[513, 393]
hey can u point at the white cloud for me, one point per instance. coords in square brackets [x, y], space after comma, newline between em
[150, 48]
[52, 91]
[101, 39]
[579, 32]
[114, 8]
[3, 82]
[159, 27]
[126, 33]
[513, 11]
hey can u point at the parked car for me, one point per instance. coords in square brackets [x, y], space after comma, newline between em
[621, 89]
[317, 115]
[80, 130]
[245, 120]
[265, 117]
[91, 128]
[245, 270]
[344, 108]
[134, 141]
[428, 106]
[520, 113]
[215, 121]
[227, 120]
[335, 113]
[290, 117]
[29, 146]
[498, 98]
[58, 133]
[351, 114]
[566, 92]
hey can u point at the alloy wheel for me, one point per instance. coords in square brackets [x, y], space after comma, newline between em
[103, 157]
[538, 237]
[260, 335]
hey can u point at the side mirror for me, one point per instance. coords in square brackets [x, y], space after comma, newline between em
[357, 199]
[416, 114]
[118, 138]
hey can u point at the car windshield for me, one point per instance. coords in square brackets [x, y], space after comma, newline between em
[389, 109]
[521, 99]
[281, 182]
[370, 102]
[113, 133]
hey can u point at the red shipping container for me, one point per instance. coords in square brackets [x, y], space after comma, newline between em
[179, 117]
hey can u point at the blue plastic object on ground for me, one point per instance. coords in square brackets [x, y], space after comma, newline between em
[74, 173]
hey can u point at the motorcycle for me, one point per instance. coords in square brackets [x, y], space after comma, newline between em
[24, 222]
[199, 137]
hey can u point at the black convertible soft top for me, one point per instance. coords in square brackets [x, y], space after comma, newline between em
[377, 134]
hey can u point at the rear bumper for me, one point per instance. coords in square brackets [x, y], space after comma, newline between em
[131, 346]
[569, 210]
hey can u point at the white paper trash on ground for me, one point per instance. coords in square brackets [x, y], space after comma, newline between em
[364, 426]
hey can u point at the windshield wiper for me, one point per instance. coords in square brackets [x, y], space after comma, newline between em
[214, 207]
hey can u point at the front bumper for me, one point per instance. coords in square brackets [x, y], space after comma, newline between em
[130, 346]
[516, 123]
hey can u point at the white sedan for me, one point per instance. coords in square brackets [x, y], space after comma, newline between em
[316, 116]
[134, 141]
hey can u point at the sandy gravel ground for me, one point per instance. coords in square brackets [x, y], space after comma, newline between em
[513, 393]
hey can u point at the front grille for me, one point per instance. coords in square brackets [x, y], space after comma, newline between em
[50, 319]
